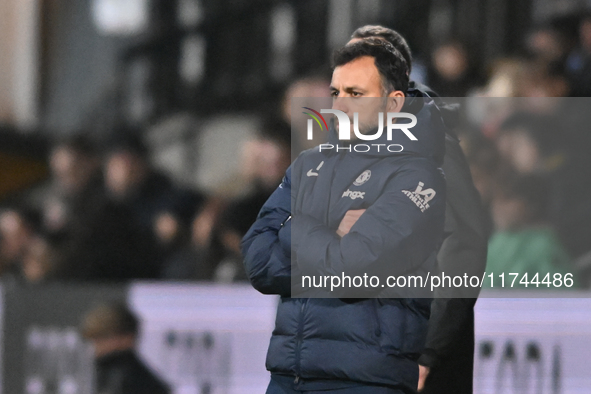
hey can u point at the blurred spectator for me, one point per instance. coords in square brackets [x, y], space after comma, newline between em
[206, 246]
[26, 255]
[544, 80]
[453, 73]
[97, 239]
[218, 228]
[14, 236]
[530, 143]
[113, 330]
[204, 224]
[526, 78]
[505, 78]
[523, 242]
[40, 262]
[157, 206]
[74, 175]
[265, 160]
[131, 181]
[16, 233]
[314, 92]
[541, 145]
[182, 259]
[549, 44]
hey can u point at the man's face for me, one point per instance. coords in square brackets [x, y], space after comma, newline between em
[124, 171]
[357, 79]
[71, 170]
[112, 343]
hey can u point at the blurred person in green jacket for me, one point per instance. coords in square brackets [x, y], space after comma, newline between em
[522, 242]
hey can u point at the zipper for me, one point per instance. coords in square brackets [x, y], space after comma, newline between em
[299, 339]
[338, 159]
[374, 308]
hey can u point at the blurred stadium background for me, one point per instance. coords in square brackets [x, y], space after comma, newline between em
[139, 138]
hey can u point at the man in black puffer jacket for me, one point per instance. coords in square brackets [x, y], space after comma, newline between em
[447, 362]
[350, 213]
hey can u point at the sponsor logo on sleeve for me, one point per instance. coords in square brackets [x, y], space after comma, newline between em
[420, 196]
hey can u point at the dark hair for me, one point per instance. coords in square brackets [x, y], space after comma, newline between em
[78, 143]
[109, 319]
[392, 36]
[31, 218]
[540, 128]
[276, 130]
[529, 188]
[127, 142]
[388, 60]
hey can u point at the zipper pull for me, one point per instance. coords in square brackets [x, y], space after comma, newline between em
[297, 379]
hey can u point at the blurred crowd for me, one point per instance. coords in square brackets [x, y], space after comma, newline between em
[529, 157]
[106, 214]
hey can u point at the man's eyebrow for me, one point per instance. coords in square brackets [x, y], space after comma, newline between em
[349, 88]
[354, 88]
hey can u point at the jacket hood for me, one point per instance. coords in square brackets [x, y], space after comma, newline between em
[429, 132]
[449, 112]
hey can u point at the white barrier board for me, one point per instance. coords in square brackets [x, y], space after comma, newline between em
[205, 339]
[533, 345]
[208, 339]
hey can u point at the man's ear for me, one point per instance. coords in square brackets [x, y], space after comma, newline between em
[395, 101]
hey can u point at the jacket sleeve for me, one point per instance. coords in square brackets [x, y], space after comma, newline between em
[266, 246]
[397, 233]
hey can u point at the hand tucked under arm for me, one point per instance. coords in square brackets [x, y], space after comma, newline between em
[349, 220]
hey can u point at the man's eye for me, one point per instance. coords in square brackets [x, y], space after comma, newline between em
[356, 94]
[334, 94]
